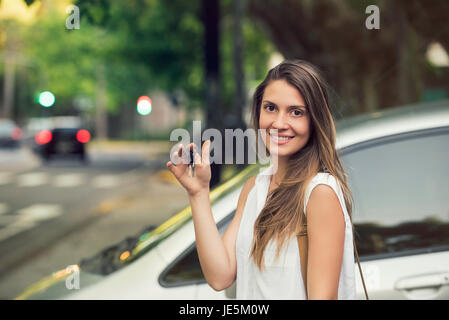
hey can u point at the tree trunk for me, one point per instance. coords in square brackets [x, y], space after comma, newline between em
[236, 121]
[403, 58]
[211, 21]
[240, 90]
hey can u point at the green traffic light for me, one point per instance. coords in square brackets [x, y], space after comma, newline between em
[46, 99]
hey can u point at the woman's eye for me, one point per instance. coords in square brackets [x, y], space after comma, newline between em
[269, 108]
[297, 113]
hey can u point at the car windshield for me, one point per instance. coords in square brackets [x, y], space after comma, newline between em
[119, 255]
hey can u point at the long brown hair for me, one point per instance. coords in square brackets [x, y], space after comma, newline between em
[282, 216]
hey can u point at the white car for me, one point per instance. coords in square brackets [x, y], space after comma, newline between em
[397, 164]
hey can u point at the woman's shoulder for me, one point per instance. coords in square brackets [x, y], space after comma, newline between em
[321, 178]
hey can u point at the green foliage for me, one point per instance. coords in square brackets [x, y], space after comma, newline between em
[165, 40]
[257, 49]
[137, 45]
[161, 41]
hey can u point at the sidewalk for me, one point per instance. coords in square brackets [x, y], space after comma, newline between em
[151, 201]
[146, 149]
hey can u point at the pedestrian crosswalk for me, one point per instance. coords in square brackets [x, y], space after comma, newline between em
[106, 181]
[69, 180]
[33, 179]
[16, 220]
[66, 180]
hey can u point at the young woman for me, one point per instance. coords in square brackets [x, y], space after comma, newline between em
[259, 250]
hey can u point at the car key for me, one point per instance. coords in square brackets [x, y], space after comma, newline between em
[192, 164]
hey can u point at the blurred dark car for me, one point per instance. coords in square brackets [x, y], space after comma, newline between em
[10, 134]
[62, 142]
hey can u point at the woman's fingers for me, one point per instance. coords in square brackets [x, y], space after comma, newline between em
[176, 165]
[182, 155]
[205, 153]
[181, 159]
[176, 157]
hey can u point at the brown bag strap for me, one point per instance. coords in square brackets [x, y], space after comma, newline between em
[360, 269]
[303, 253]
[303, 250]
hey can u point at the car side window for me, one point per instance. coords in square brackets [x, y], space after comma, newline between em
[400, 189]
[186, 268]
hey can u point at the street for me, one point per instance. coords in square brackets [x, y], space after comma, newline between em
[52, 215]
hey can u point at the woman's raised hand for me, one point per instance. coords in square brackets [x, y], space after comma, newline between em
[199, 181]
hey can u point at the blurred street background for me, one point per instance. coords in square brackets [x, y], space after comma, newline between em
[90, 91]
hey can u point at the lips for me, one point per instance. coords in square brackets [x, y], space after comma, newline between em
[281, 139]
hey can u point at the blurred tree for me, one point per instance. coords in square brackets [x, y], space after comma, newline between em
[66, 62]
[180, 46]
[13, 17]
[160, 37]
[428, 18]
[124, 49]
[371, 69]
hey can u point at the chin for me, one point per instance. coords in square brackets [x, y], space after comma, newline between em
[283, 154]
[286, 151]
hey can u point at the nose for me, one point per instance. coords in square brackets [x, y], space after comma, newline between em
[280, 122]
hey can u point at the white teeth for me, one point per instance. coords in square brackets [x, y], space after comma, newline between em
[280, 138]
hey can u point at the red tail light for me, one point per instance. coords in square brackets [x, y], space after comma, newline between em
[83, 136]
[43, 137]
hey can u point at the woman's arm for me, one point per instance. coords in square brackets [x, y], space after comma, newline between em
[326, 234]
[214, 259]
[216, 255]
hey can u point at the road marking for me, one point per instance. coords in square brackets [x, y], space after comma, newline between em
[32, 179]
[106, 181]
[12, 230]
[39, 212]
[7, 220]
[27, 218]
[15, 228]
[69, 180]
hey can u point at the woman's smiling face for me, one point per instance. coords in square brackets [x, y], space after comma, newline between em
[284, 116]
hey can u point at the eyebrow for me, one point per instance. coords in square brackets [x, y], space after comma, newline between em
[296, 106]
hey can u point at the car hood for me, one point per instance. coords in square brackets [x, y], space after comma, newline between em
[97, 268]
[56, 286]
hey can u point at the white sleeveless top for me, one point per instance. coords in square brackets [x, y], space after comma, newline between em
[282, 277]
